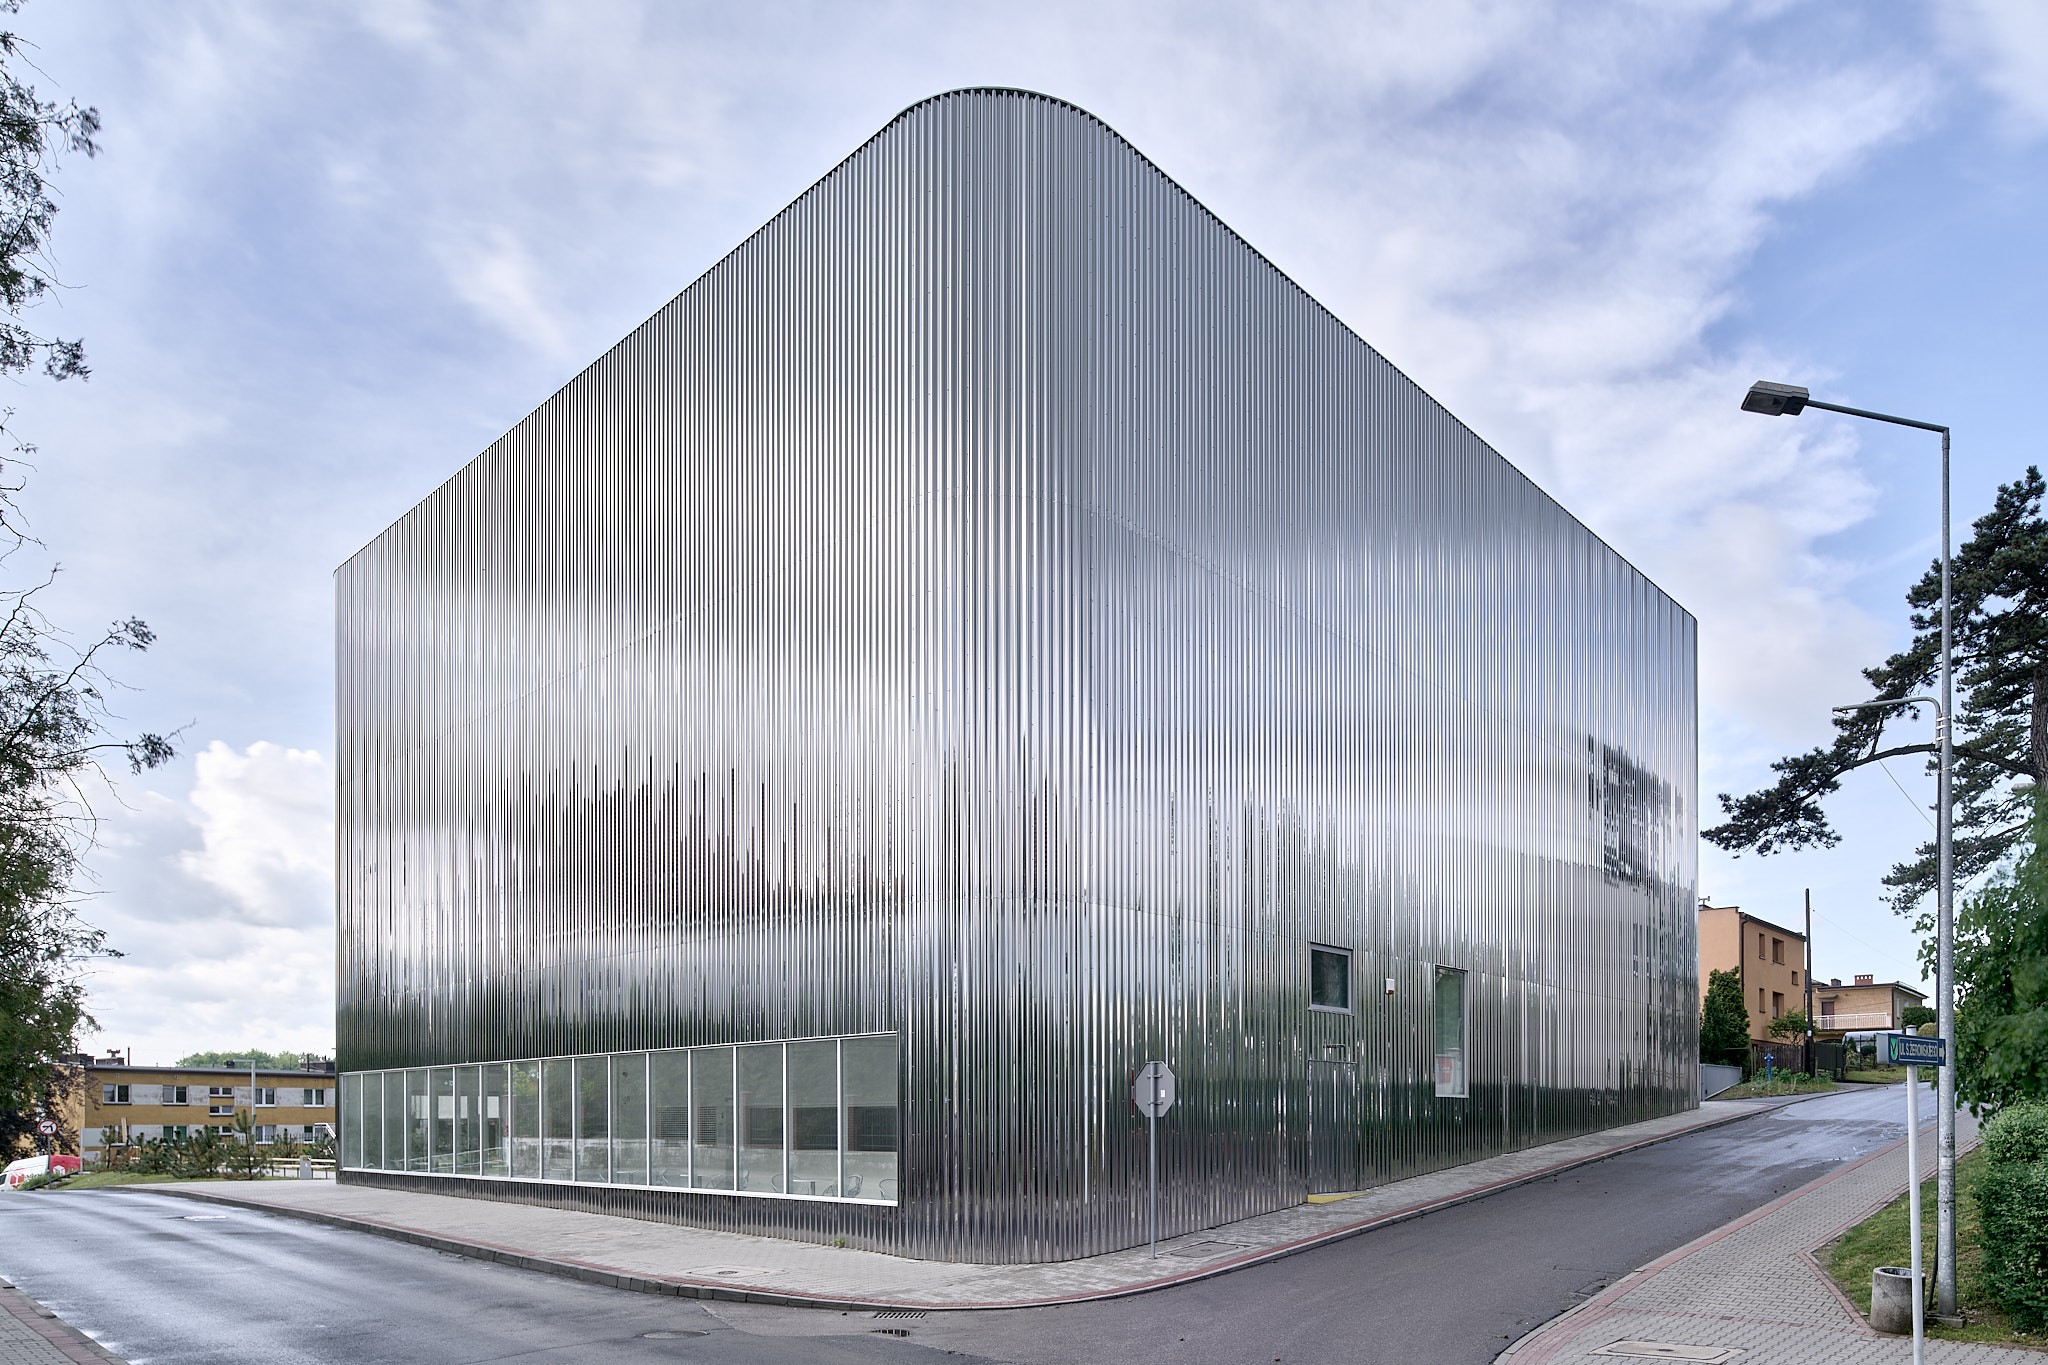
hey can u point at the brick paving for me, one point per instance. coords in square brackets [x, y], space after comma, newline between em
[1753, 1287]
[31, 1334]
[668, 1259]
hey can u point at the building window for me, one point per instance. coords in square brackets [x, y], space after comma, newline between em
[1329, 978]
[1759, 999]
[315, 1099]
[220, 1092]
[1778, 951]
[266, 1133]
[266, 1096]
[1450, 1033]
[1777, 1004]
[806, 1118]
[1795, 976]
[176, 1094]
[217, 1109]
[176, 1132]
[1759, 947]
[113, 1094]
[1827, 1014]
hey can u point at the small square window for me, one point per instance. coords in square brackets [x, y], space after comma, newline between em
[1329, 978]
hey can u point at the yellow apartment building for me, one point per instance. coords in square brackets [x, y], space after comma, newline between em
[177, 1101]
[1770, 958]
[1866, 1005]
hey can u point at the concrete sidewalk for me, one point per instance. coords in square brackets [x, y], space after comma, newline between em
[31, 1334]
[1755, 1289]
[668, 1259]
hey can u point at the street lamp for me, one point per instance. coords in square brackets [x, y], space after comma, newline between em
[1789, 400]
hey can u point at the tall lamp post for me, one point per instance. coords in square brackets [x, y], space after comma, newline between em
[1789, 400]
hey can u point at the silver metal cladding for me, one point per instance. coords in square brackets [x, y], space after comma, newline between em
[995, 606]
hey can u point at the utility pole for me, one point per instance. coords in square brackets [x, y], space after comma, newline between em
[1809, 981]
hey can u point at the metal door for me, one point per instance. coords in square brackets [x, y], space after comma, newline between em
[1332, 1127]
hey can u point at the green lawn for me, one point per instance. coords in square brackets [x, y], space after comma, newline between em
[99, 1180]
[1785, 1083]
[1882, 1239]
[1878, 1075]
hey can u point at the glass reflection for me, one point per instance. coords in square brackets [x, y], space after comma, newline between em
[760, 1101]
[417, 1121]
[494, 1138]
[522, 1119]
[466, 1136]
[371, 1107]
[869, 1072]
[629, 1119]
[814, 1118]
[711, 1164]
[557, 1119]
[593, 1131]
[441, 1127]
[394, 1120]
[669, 1101]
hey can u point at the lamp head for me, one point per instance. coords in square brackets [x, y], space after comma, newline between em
[1774, 400]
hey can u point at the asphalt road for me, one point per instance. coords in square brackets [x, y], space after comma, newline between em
[159, 1279]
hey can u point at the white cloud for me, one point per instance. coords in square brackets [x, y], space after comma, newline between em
[266, 827]
[2004, 44]
[222, 904]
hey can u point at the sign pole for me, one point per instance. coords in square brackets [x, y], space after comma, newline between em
[1152, 1128]
[1153, 1094]
[1913, 1204]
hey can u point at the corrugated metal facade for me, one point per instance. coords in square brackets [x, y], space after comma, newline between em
[995, 605]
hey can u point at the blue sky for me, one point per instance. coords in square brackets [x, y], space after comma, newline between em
[332, 250]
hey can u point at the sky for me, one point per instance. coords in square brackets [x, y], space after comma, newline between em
[331, 250]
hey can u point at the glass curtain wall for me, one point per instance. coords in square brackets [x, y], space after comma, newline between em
[668, 1095]
[492, 1135]
[629, 1119]
[814, 1118]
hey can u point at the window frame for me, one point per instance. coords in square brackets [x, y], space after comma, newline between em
[1350, 980]
[1439, 971]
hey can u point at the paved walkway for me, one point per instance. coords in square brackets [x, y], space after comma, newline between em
[1755, 1290]
[31, 1334]
[668, 1259]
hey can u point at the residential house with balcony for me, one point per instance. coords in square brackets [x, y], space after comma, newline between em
[1867, 1005]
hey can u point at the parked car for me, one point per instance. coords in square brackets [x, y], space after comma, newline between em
[29, 1167]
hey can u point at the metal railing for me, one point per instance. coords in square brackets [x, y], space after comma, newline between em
[1854, 1023]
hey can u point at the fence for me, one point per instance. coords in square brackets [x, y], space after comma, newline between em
[1830, 1059]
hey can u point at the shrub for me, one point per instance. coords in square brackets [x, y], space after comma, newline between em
[2012, 1202]
[2018, 1133]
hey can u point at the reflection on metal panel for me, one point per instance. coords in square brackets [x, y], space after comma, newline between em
[994, 606]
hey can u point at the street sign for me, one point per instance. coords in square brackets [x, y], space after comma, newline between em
[1153, 1092]
[1910, 1049]
[47, 1127]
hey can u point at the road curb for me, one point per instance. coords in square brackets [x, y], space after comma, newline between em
[678, 1286]
[59, 1335]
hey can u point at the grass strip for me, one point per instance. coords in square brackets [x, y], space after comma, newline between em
[1884, 1239]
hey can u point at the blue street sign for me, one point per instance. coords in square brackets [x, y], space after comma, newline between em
[1910, 1049]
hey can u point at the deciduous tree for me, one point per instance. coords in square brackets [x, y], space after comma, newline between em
[55, 726]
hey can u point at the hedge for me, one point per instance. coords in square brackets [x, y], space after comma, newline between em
[2012, 1204]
